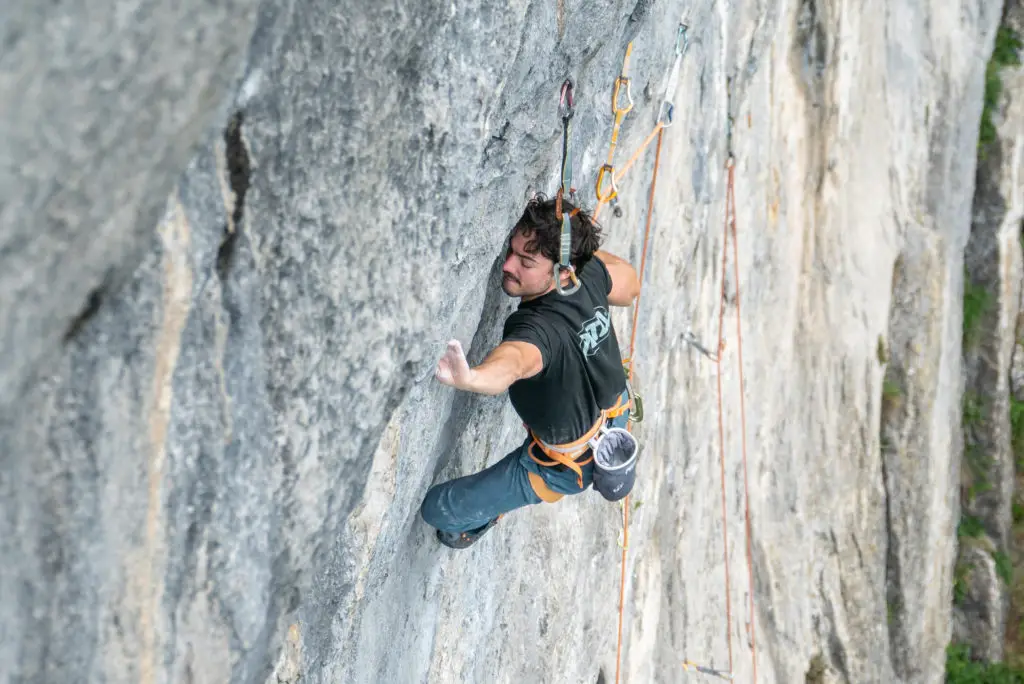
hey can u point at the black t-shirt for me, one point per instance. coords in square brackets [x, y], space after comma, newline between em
[582, 371]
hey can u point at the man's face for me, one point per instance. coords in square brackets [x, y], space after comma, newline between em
[525, 274]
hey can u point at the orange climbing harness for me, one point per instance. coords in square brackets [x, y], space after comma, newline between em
[567, 454]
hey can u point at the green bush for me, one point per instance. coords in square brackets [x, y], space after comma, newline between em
[969, 527]
[1004, 566]
[1003, 54]
[977, 302]
[960, 669]
[1017, 431]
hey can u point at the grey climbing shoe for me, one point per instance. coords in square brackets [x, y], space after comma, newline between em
[462, 540]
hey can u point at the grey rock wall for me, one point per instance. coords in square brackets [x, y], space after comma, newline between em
[218, 479]
[104, 104]
[993, 265]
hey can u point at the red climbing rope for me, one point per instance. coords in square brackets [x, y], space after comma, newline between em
[729, 228]
[721, 427]
[743, 411]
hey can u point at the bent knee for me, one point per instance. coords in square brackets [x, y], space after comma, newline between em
[432, 510]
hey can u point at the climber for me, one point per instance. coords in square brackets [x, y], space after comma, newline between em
[559, 360]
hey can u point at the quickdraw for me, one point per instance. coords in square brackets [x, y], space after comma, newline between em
[691, 339]
[687, 665]
[667, 107]
[664, 120]
[566, 109]
[620, 112]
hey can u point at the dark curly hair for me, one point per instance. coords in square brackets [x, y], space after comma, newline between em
[543, 231]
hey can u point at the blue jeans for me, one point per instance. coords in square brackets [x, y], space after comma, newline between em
[470, 502]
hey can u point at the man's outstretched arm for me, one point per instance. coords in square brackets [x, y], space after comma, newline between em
[625, 284]
[508, 362]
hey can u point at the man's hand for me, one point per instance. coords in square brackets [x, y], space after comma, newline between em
[507, 363]
[453, 369]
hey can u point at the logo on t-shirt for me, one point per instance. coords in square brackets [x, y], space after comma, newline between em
[595, 331]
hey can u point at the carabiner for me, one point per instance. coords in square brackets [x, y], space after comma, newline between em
[689, 665]
[566, 105]
[606, 170]
[665, 114]
[572, 276]
[616, 110]
[667, 108]
[681, 40]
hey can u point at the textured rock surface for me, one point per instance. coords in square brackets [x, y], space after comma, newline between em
[979, 617]
[103, 105]
[993, 265]
[220, 478]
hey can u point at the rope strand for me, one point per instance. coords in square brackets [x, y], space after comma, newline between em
[729, 227]
[632, 357]
[721, 429]
[743, 414]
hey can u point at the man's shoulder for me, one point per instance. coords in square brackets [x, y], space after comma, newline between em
[533, 317]
[595, 271]
[542, 325]
[595, 265]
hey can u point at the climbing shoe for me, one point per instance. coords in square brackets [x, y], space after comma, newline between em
[461, 540]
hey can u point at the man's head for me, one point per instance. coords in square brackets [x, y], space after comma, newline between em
[534, 249]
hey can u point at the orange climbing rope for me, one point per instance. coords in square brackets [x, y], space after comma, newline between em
[629, 426]
[665, 120]
[729, 229]
[731, 226]
[721, 427]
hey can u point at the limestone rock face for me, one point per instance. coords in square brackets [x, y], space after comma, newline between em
[992, 308]
[218, 477]
[104, 103]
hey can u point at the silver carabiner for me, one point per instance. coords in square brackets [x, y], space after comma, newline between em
[572, 276]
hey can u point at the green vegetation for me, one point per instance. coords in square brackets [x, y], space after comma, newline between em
[890, 390]
[973, 412]
[1015, 640]
[969, 527]
[1017, 431]
[960, 573]
[1004, 54]
[1004, 568]
[977, 302]
[978, 464]
[816, 670]
[960, 669]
